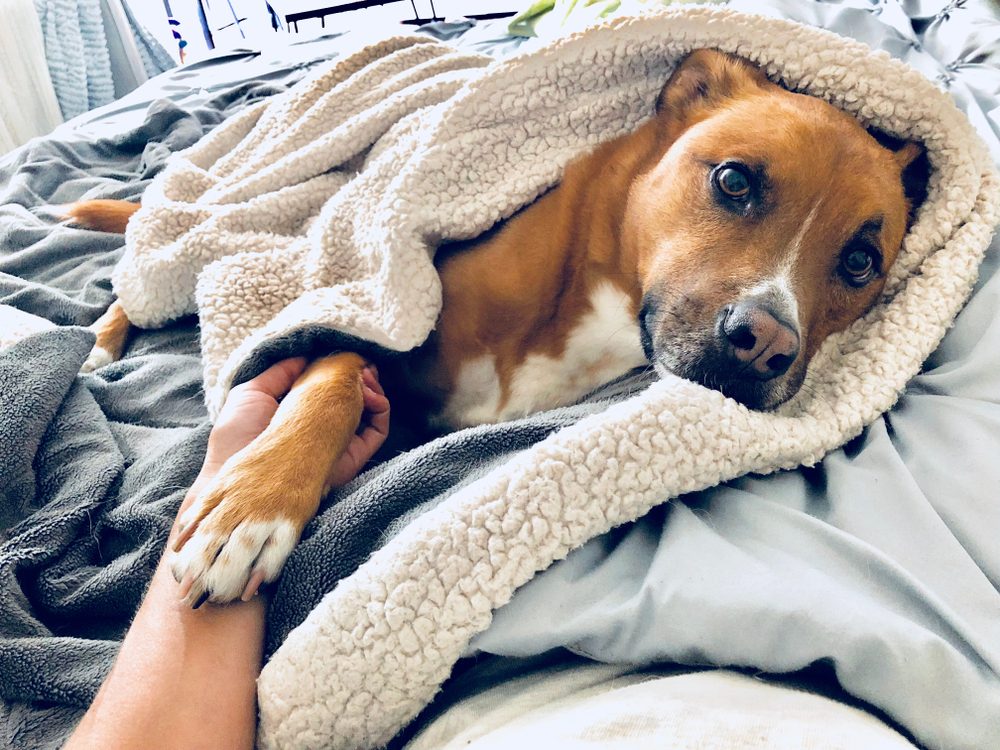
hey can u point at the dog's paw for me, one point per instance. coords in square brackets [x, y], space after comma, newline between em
[238, 533]
[221, 565]
[98, 358]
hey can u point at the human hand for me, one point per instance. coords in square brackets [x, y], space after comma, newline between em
[371, 433]
[249, 408]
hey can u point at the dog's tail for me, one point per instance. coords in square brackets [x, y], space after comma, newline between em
[102, 215]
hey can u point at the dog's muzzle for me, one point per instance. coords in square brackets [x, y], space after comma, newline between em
[745, 353]
[756, 342]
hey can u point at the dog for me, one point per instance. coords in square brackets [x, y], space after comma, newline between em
[722, 241]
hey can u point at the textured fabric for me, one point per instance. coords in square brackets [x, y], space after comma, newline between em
[362, 517]
[16, 324]
[937, 445]
[92, 469]
[87, 501]
[76, 49]
[262, 196]
[616, 707]
[379, 645]
[76, 550]
[881, 561]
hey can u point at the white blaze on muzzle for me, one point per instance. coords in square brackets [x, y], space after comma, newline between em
[777, 294]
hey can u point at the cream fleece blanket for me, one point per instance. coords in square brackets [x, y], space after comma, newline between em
[458, 144]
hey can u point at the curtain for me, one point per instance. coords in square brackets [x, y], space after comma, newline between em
[96, 52]
[28, 105]
[154, 57]
[76, 49]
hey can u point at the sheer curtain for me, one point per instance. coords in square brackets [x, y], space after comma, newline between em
[28, 104]
[61, 58]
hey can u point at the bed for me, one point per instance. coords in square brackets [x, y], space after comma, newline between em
[871, 578]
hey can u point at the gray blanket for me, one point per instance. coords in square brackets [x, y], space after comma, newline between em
[91, 485]
[91, 468]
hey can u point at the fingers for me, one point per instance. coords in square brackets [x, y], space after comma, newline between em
[374, 426]
[370, 434]
[370, 439]
[376, 404]
[277, 379]
[369, 376]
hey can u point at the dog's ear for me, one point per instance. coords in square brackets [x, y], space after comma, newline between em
[907, 154]
[706, 78]
[915, 167]
[916, 173]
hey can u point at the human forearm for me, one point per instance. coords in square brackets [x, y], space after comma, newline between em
[187, 678]
[184, 678]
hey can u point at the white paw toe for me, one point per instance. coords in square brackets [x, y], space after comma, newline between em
[99, 357]
[220, 564]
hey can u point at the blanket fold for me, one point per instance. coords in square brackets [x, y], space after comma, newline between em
[268, 196]
[64, 429]
[878, 566]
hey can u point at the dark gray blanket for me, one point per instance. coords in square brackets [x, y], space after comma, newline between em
[91, 485]
[91, 468]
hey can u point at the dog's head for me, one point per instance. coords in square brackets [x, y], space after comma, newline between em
[766, 222]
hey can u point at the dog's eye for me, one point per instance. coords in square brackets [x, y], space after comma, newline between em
[858, 264]
[732, 180]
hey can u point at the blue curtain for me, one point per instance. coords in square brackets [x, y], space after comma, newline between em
[76, 50]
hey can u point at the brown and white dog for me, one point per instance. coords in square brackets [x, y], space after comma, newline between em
[723, 241]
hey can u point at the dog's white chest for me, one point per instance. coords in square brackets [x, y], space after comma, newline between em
[603, 345]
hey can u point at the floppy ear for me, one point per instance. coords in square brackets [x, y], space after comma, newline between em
[914, 166]
[908, 154]
[706, 78]
[916, 173]
[904, 152]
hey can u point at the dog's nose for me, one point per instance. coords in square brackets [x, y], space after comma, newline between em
[758, 339]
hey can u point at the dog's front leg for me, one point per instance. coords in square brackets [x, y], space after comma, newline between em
[242, 527]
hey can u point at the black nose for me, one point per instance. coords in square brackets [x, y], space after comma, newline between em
[757, 341]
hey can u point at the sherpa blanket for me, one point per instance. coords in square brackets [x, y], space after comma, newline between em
[448, 147]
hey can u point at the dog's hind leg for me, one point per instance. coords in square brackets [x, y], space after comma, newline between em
[113, 326]
[240, 530]
[112, 330]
